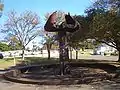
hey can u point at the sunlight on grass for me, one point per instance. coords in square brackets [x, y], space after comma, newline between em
[6, 63]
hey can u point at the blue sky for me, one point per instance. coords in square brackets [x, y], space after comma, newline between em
[41, 7]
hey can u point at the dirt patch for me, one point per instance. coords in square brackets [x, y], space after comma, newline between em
[50, 74]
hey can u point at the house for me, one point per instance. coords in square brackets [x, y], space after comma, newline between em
[104, 49]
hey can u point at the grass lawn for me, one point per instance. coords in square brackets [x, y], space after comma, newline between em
[7, 62]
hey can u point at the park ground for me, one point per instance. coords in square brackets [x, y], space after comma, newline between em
[36, 56]
[104, 85]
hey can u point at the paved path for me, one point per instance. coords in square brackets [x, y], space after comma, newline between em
[104, 85]
[6, 85]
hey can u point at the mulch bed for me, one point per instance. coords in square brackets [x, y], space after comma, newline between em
[74, 74]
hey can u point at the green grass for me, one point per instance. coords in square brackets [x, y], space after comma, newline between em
[8, 62]
[5, 63]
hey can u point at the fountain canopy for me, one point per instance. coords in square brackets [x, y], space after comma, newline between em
[69, 25]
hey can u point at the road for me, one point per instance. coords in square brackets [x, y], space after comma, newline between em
[55, 54]
[81, 56]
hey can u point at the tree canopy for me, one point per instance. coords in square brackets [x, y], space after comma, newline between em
[24, 27]
[104, 25]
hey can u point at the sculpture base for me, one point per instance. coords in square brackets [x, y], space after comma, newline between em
[49, 74]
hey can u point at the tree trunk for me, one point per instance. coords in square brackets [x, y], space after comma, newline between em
[70, 53]
[67, 54]
[83, 49]
[23, 56]
[119, 55]
[76, 54]
[48, 49]
[48, 54]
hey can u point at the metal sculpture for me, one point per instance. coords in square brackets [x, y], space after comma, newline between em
[69, 25]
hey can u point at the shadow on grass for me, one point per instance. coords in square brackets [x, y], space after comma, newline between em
[106, 65]
[40, 60]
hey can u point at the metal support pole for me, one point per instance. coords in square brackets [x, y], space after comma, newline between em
[62, 51]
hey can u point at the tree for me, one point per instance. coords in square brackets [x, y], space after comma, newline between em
[77, 39]
[49, 40]
[25, 27]
[104, 26]
[14, 43]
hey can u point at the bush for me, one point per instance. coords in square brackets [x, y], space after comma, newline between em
[4, 47]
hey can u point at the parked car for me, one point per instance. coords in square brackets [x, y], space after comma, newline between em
[1, 56]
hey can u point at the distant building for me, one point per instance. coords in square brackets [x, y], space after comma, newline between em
[103, 49]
